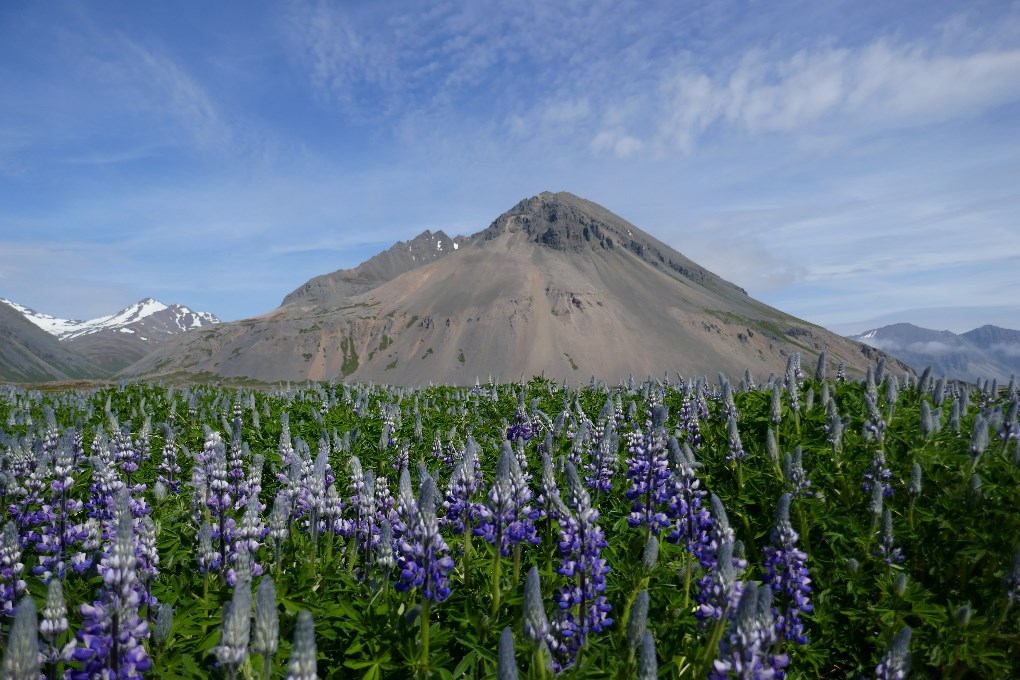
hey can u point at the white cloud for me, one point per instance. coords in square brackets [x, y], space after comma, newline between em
[821, 91]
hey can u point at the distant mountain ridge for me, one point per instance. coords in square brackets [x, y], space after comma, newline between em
[983, 353]
[402, 257]
[107, 344]
[557, 284]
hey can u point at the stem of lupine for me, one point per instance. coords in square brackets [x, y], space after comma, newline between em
[425, 604]
[467, 553]
[496, 566]
[517, 563]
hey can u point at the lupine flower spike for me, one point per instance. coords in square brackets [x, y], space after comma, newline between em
[507, 668]
[648, 665]
[302, 664]
[267, 624]
[21, 658]
[895, 665]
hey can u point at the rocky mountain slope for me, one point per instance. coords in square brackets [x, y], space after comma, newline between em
[112, 342]
[402, 257]
[556, 285]
[30, 354]
[983, 353]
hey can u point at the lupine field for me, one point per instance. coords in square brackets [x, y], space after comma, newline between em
[804, 525]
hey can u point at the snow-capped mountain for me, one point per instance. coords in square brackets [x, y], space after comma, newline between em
[161, 318]
[116, 340]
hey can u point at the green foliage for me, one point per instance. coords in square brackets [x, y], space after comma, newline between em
[958, 546]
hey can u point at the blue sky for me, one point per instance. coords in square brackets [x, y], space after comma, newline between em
[848, 162]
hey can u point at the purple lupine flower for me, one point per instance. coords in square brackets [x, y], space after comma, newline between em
[878, 473]
[423, 556]
[605, 457]
[504, 521]
[793, 474]
[385, 504]
[692, 523]
[688, 421]
[786, 573]
[520, 428]
[584, 609]
[12, 586]
[247, 539]
[648, 470]
[58, 532]
[895, 664]
[464, 483]
[148, 560]
[720, 586]
[744, 651]
[886, 547]
[110, 639]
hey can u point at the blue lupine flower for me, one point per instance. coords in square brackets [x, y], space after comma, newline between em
[584, 609]
[423, 556]
[459, 506]
[505, 520]
[720, 586]
[648, 470]
[605, 457]
[787, 575]
[110, 639]
[745, 650]
[12, 586]
[878, 473]
[692, 523]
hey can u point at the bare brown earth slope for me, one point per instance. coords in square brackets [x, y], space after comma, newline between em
[557, 285]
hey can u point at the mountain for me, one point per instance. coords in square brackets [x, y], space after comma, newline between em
[402, 257]
[115, 341]
[557, 284]
[30, 354]
[983, 353]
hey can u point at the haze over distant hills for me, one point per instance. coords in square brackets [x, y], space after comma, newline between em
[39, 346]
[983, 353]
[556, 285]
